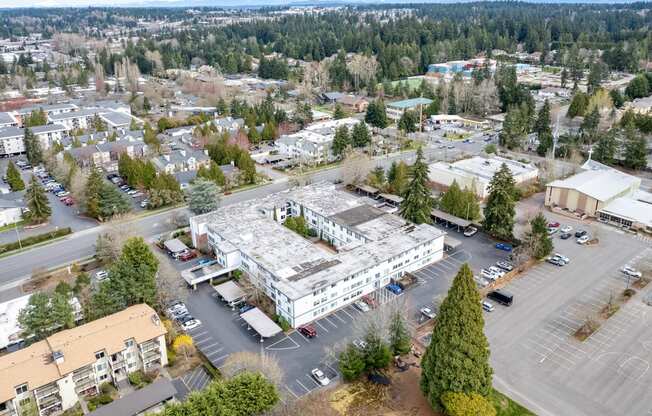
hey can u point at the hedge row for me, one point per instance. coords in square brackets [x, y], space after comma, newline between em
[30, 241]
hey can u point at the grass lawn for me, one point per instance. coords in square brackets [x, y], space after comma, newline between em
[19, 224]
[506, 406]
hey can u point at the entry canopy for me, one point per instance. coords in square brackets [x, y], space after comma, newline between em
[261, 323]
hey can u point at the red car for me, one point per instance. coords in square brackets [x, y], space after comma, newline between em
[553, 225]
[68, 201]
[307, 331]
[188, 255]
[370, 301]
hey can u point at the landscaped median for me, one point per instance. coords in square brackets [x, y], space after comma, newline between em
[33, 240]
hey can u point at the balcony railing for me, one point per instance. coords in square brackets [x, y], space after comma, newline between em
[46, 391]
[153, 354]
[79, 387]
[49, 401]
[148, 346]
[9, 411]
[82, 374]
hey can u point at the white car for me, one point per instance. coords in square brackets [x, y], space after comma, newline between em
[101, 275]
[562, 257]
[566, 229]
[359, 344]
[488, 275]
[319, 375]
[191, 324]
[470, 231]
[427, 312]
[481, 281]
[632, 272]
[487, 306]
[583, 239]
[361, 306]
[497, 271]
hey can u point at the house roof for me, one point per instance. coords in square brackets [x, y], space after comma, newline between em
[34, 365]
[631, 209]
[11, 131]
[116, 118]
[412, 102]
[602, 185]
[48, 128]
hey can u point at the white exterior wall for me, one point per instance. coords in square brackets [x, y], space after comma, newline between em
[10, 215]
[12, 145]
[47, 139]
[67, 392]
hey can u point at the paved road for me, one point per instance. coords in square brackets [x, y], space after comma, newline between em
[16, 268]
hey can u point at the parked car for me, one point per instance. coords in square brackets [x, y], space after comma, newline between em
[68, 201]
[632, 272]
[191, 324]
[308, 331]
[553, 225]
[487, 306]
[395, 289]
[566, 229]
[488, 274]
[361, 306]
[187, 255]
[505, 265]
[470, 231]
[504, 247]
[137, 194]
[370, 301]
[580, 233]
[205, 261]
[320, 377]
[245, 308]
[497, 271]
[556, 261]
[502, 297]
[551, 230]
[101, 275]
[481, 282]
[428, 313]
[562, 257]
[144, 203]
[583, 239]
[565, 236]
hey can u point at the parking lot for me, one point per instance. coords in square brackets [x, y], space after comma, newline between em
[536, 357]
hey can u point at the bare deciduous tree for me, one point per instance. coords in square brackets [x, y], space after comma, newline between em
[355, 167]
[262, 363]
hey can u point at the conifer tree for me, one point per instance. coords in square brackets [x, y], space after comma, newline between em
[37, 202]
[457, 359]
[499, 211]
[417, 199]
[14, 179]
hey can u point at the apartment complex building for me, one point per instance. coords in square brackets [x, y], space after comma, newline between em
[53, 373]
[360, 249]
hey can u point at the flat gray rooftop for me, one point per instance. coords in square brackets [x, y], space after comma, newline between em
[357, 215]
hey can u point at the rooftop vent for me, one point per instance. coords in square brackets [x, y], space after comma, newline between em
[57, 356]
[156, 320]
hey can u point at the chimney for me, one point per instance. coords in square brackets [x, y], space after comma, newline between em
[57, 356]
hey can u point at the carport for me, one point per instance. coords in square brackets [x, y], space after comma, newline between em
[450, 243]
[261, 323]
[367, 190]
[230, 292]
[175, 246]
[441, 216]
[391, 199]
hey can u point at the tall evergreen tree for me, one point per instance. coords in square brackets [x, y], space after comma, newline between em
[339, 112]
[634, 148]
[408, 122]
[14, 179]
[537, 240]
[341, 141]
[457, 359]
[37, 202]
[499, 211]
[376, 114]
[399, 337]
[606, 148]
[92, 193]
[360, 136]
[417, 199]
[397, 177]
[32, 147]
[543, 130]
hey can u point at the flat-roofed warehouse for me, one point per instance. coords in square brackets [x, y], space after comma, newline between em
[360, 247]
[476, 173]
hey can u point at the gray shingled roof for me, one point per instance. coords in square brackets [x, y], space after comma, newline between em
[140, 400]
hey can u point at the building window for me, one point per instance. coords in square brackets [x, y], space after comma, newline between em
[99, 355]
[129, 343]
[104, 377]
[21, 389]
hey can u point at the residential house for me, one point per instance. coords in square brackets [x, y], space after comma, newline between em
[49, 109]
[12, 141]
[49, 134]
[55, 372]
[353, 103]
[182, 160]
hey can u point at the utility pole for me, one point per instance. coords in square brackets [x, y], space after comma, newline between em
[20, 244]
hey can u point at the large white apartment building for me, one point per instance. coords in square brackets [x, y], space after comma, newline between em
[366, 248]
[12, 138]
[55, 372]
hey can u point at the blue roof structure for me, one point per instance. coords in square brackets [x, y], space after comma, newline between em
[411, 103]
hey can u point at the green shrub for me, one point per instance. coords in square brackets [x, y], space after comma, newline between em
[460, 404]
[282, 322]
[107, 388]
[137, 379]
[172, 357]
[39, 238]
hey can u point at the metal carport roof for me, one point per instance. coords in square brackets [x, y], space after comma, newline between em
[229, 291]
[261, 323]
[452, 219]
[175, 245]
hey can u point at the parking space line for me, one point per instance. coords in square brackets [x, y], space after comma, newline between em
[199, 344]
[305, 338]
[291, 392]
[313, 380]
[213, 352]
[338, 317]
[304, 387]
[198, 333]
[347, 314]
[218, 359]
[329, 321]
[321, 326]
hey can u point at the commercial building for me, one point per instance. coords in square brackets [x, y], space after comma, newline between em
[53, 373]
[358, 248]
[396, 109]
[591, 190]
[476, 173]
